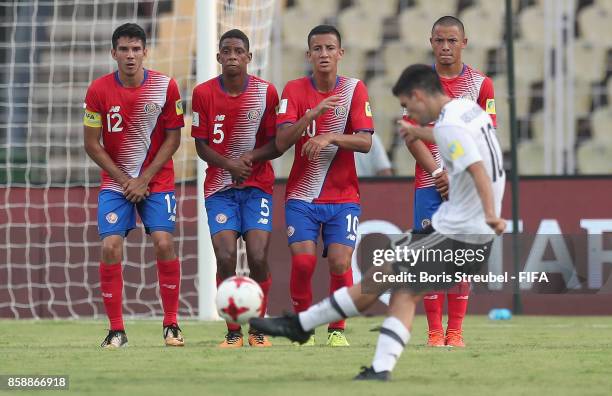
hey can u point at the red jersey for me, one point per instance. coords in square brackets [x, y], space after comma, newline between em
[331, 178]
[233, 125]
[134, 123]
[470, 84]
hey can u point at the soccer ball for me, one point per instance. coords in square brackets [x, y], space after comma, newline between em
[239, 299]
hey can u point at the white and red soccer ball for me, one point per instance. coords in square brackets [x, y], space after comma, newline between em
[239, 299]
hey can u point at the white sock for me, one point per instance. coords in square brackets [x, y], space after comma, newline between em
[338, 306]
[391, 342]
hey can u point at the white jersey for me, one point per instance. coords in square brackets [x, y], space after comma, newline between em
[464, 134]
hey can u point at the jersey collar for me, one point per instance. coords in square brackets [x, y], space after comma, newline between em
[246, 84]
[146, 75]
[312, 82]
[460, 74]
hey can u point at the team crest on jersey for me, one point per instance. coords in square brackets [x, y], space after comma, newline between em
[340, 112]
[253, 115]
[221, 218]
[112, 217]
[425, 223]
[290, 231]
[150, 108]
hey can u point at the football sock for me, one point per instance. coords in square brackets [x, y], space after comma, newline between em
[230, 326]
[457, 306]
[338, 306]
[300, 288]
[336, 282]
[265, 287]
[169, 278]
[433, 303]
[391, 342]
[111, 285]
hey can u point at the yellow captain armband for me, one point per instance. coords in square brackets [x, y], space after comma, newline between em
[92, 119]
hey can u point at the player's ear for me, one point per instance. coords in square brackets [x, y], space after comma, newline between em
[218, 58]
[145, 51]
[114, 53]
[250, 56]
[464, 42]
[340, 53]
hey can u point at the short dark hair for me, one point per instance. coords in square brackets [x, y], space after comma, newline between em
[130, 30]
[449, 20]
[418, 77]
[237, 34]
[324, 29]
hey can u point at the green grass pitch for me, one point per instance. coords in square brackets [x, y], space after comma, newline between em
[523, 356]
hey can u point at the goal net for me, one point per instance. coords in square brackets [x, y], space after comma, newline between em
[49, 246]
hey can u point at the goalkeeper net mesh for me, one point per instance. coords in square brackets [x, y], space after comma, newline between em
[52, 51]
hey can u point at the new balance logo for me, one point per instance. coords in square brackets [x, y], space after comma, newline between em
[171, 287]
[220, 117]
[114, 109]
[172, 218]
[262, 221]
[107, 295]
[351, 237]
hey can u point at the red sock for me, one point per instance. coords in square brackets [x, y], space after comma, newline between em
[230, 326]
[169, 278]
[111, 285]
[457, 305]
[265, 287]
[338, 281]
[302, 268]
[433, 303]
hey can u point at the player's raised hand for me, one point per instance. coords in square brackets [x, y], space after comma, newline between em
[239, 169]
[327, 104]
[441, 182]
[312, 148]
[136, 189]
[497, 224]
[407, 131]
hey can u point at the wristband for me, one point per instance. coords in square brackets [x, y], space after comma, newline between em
[437, 172]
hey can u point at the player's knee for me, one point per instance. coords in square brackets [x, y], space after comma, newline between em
[338, 263]
[111, 251]
[164, 247]
[226, 263]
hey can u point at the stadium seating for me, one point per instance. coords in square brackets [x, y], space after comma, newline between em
[385, 108]
[297, 23]
[415, 27]
[438, 8]
[522, 94]
[601, 122]
[589, 60]
[378, 8]
[594, 23]
[353, 63]
[396, 55]
[484, 35]
[531, 22]
[593, 157]
[319, 9]
[356, 33]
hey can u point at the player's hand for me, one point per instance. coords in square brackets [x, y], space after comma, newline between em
[441, 182]
[239, 169]
[136, 189]
[247, 158]
[497, 224]
[326, 104]
[314, 145]
[407, 131]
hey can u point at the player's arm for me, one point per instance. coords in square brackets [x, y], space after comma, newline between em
[288, 134]
[485, 192]
[98, 154]
[136, 189]
[238, 168]
[412, 138]
[360, 141]
[264, 153]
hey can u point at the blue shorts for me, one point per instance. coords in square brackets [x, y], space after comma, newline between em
[426, 201]
[338, 222]
[117, 215]
[240, 210]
